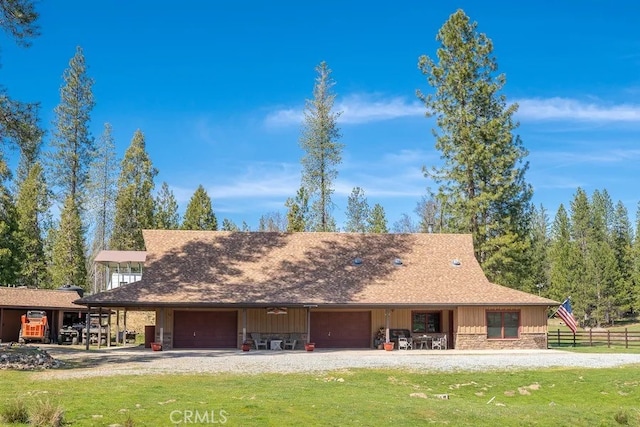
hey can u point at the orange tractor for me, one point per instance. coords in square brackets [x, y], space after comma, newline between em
[34, 327]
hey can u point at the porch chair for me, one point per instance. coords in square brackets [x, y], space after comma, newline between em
[439, 343]
[258, 341]
[290, 343]
[404, 343]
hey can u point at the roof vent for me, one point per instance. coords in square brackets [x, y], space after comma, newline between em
[357, 261]
[456, 263]
[397, 261]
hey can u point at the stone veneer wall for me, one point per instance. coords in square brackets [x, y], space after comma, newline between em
[480, 342]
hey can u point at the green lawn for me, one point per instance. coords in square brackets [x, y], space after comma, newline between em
[552, 397]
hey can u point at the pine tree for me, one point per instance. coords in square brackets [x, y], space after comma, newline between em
[17, 119]
[357, 211]
[228, 225]
[18, 18]
[622, 245]
[323, 152]
[199, 213]
[565, 263]
[72, 142]
[103, 180]
[134, 200]
[166, 216]
[69, 261]
[31, 206]
[9, 244]
[377, 220]
[635, 275]
[482, 178]
[538, 269]
[298, 211]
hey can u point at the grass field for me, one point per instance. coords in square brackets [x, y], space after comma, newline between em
[553, 397]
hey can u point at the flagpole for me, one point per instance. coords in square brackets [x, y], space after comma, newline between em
[558, 308]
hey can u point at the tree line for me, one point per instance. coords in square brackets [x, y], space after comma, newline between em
[589, 252]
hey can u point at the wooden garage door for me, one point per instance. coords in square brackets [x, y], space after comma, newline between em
[341, 329]
[205, 329]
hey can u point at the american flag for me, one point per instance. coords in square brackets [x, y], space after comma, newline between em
[565, 312]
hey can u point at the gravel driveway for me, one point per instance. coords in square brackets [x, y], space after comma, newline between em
[138, 361]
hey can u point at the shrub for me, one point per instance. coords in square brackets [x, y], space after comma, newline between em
[46, 414]
[15, 412]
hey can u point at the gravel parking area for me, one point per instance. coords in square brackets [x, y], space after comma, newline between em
[141, 361]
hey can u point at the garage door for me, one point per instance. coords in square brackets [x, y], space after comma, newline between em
[205, 329]
[341, 329]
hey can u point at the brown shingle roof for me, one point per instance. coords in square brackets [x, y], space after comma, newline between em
[38, 298]
[120, 256]
[217, 268]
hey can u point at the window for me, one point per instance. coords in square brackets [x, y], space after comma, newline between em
[422, 322]
[503, 324]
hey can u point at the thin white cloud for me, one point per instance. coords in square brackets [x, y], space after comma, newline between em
[355, 109]
[572, 109]
[565, 158]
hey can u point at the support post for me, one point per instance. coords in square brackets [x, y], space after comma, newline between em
[86, 327]
[244, 326]
[124, 326]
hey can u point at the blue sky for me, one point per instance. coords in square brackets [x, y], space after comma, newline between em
[218, 88]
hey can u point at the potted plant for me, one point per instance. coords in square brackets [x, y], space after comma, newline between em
[310, 346]
[156, 346]
[380, 338]
[389, 345]
[246, 346]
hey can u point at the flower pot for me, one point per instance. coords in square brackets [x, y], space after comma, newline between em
[388, 346]
[380, 346]
[310, 346]
[246, 347]
[156, 346]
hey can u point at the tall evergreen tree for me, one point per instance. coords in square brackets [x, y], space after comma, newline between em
[635, 275]
[18, 18]
[357, 211]
[298, 211]
[31, 206]
[69, 260]
[9, 244]
[622, 245]
[199, 214]
[134, 200]
[377, 220]
[565, 263]
[103, 179]
[72, 142]
[322, 150]
[538, 267]
[166, 216]
[482, 177]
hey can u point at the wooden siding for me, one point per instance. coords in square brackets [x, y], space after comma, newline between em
[473, 320]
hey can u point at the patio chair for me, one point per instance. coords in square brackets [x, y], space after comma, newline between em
[290, 343]
[404, 344]
[258, 341]
[439, 343]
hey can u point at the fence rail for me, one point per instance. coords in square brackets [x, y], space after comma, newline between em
[593, 338]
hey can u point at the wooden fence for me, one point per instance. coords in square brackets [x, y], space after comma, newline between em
[593, 338]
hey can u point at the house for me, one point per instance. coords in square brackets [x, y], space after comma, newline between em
[213, 289]
[119, 267]
[58, 304]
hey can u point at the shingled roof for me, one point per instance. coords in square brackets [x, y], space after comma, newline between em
[28, 298]
[215, 268]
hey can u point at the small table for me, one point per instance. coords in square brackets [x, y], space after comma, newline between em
[424, 340]
[275, 344]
